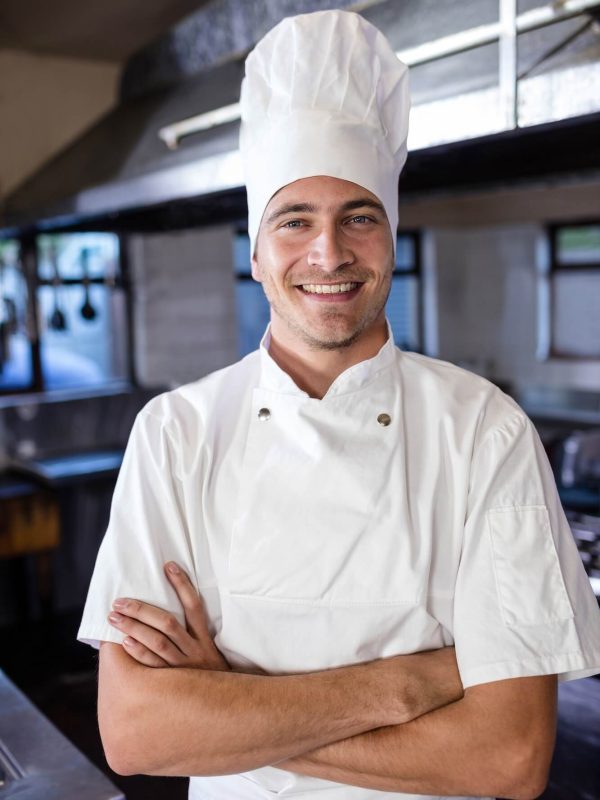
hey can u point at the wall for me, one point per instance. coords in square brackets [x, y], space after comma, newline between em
[487, 307]
[479, 262]
[184, 304]
[541, 202]
[482, 309]
[45, 103]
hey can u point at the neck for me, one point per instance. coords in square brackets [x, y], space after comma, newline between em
[313, 370]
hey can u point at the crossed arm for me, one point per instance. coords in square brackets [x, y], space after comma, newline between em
[400, 724]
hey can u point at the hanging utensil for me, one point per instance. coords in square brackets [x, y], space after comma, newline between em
[10, 314]
[57, 320]
[88, 312]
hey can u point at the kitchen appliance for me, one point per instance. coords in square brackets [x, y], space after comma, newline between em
[586, 532]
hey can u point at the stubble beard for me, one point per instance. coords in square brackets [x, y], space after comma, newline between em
[332, 341]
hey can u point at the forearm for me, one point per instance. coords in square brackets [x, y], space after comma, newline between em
[194, 722]
[472, 747]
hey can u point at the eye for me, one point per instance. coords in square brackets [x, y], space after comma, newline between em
[360, 219]
[292, 223]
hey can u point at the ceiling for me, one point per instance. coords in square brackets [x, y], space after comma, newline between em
[110, 30]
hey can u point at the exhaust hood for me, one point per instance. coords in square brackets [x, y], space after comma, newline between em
[482, 114]
[121, 163]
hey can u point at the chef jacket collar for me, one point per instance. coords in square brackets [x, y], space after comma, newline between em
[273, 378]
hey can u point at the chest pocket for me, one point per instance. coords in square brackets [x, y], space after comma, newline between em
[321, 515]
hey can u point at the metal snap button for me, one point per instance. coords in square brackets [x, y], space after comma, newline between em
[264, 414]
[384, 420]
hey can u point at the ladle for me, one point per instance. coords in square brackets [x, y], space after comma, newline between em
[88, 312]
[57, 320]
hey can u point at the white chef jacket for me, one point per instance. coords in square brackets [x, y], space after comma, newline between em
[320, 536]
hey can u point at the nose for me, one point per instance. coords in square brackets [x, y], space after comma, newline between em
[329, 249]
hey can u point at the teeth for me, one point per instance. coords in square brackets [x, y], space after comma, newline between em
[328, 288]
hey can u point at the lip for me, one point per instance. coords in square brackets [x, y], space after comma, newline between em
[344, 297]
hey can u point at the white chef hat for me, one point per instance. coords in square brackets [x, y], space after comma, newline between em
[324, 94]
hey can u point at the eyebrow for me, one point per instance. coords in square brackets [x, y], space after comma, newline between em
[311, 208]
[291, 208]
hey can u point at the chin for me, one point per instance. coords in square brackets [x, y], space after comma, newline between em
[334, 338]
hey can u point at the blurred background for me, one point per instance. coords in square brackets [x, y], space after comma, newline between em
[125, 270]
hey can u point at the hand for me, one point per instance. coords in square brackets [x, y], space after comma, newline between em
[156, 638]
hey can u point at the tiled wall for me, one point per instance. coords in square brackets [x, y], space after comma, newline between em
[184, 304]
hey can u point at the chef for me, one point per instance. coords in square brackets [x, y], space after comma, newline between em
[370, 585]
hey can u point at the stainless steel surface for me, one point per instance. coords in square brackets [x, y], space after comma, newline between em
[580, 462]
[586, 532]
[122, 164]
[38, 762]
[59, 470]
[505, 31]
[172, 134]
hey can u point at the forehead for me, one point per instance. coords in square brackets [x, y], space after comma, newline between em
[321, 192]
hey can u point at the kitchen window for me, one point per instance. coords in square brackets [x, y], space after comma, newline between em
[16, 361]
[65, 313]
[571, 284]
[404, 306]
[252, 307]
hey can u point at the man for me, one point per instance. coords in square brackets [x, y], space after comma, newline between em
[389, 587]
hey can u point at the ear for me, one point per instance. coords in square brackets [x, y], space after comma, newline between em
[256, 271]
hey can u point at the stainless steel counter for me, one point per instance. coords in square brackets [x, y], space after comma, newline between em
[37, 762]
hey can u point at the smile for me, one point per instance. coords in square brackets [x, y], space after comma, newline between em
[328, 288]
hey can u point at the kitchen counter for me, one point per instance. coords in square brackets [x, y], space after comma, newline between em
[12, 485]
[65, 469]
[37, 762]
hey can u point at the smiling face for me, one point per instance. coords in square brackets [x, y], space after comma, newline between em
[325, 257]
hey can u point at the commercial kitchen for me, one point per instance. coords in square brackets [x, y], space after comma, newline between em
[125, 272]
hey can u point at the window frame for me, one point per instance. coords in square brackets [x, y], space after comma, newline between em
[29, 264]
[416, 271]
[556, 268]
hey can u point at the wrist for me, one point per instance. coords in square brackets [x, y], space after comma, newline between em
[432, 681]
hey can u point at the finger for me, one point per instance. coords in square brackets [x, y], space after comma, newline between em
[141, 653]
[154, 640]
[153, 617]
[196, 620]
[193, 605]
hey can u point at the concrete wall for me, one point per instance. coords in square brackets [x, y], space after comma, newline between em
[45, 103]
[184, 304]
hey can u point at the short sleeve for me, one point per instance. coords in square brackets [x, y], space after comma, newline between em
[523, 603]
[146, 528]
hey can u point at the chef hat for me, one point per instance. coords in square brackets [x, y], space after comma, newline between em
[323, 94]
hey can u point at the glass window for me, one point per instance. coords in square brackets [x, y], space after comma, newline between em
[82, 310]
[404, 303]
[403, 307]
[578, 245]
[575, 291]
[403, 311]
[16, 364]
[252, 306]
